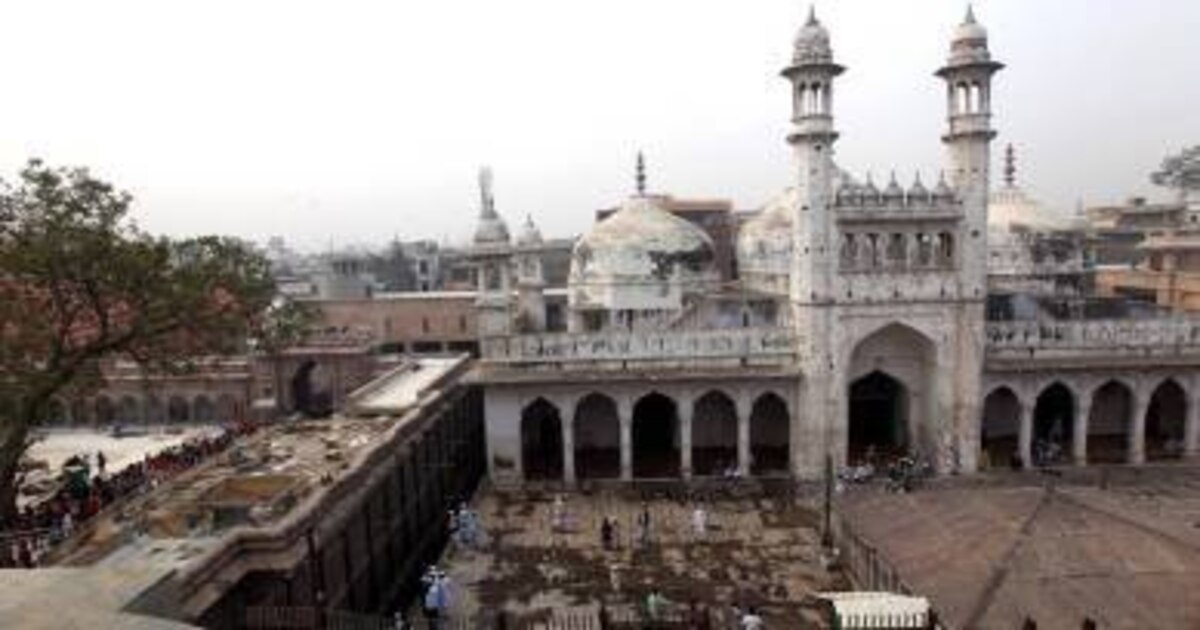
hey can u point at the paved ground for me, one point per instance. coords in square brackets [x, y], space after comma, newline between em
[759, 551]
[56, 446]
[1120, 545]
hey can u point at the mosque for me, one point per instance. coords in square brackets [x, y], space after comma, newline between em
[864, 321]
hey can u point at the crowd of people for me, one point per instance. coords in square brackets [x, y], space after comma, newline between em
[81, 495]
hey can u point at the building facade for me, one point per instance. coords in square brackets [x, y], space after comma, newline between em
[858, 329]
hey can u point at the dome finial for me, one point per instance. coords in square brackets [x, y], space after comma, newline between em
[641, 174]
[1010, 165]
[812, 16]
[970, 19]
[487, 206]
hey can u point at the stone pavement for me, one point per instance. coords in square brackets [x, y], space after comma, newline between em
[757, 551]
[1120, 545]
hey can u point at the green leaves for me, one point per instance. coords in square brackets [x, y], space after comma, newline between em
[1180, 171]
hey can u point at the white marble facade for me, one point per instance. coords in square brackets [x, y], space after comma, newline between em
[861, 326]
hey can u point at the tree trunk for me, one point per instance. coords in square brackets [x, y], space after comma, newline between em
[13, 433]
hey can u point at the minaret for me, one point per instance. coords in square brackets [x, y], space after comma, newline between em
[492, 254]
[531, 280]
[812, 136]
[968, 75]
[814, 251]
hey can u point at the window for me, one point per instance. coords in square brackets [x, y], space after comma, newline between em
[425, 324]
[462, 323]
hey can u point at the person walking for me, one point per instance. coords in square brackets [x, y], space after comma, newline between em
[643, 526]
[606, 533]
[699, 522]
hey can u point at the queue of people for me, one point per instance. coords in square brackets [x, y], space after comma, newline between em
[81, 496]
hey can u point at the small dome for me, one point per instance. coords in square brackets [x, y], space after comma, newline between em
[776, 216]
[530, 235]
[969, 44]
[870, 194]
[942, 191]
[812, 42]
[918, 190]
[970, 30]
[893, 193]
[640, 244]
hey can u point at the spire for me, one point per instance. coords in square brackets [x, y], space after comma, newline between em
[812, 16]
[641, 174]
[487, 204]
[970, 19]
[1010, 166]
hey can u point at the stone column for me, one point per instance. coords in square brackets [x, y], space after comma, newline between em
[1191, 428]
[1137, 427]
[568, 443]
[1025, 434]
[625, 415]
[743, 439]
[1079, 432]
[685, 438]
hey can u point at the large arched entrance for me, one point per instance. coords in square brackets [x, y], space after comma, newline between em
[1053, 426]
[106, 411]
[308, 397]
[655, 437]
[770, 435]
[177, 410]
[128, 410]
[203, 410]
[714, 434]
[541, 441]
[1000, 428]
[1108, 424]
[889, 388]
[227, 408]
[597, 438]
[1166, 419]
[878, 418]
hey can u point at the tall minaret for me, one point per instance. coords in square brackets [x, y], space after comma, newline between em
[812, 136]
[814, 255]
[492, 255]
[968, 75]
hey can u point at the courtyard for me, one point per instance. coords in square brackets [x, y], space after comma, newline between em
[759, 548]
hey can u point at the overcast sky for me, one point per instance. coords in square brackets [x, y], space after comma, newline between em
[344, 122]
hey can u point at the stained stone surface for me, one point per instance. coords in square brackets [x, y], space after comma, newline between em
[757, 551]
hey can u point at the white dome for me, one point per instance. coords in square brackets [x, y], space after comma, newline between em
[1009, 206]
[812, 42]
[764, 244]
[491, 231]
[641, 257]
[530, 235]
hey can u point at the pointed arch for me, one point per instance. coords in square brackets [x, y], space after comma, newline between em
[106, 411]
[890, 389]
[655, 437]
[1000, 428]
[203, 410]
[128, 410]
[596, 433]
[178, 410]
[1166, 421]
[714, 433]
[770, 435]
[541, 441]
[1109, 423]
[1053, 434]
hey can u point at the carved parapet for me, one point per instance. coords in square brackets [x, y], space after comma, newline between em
[1118, 338]
[697, 345]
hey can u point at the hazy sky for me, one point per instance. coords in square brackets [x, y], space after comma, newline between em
[344, 122]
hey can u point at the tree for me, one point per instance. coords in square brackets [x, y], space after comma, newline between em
[80, 284]
[1180, 172]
